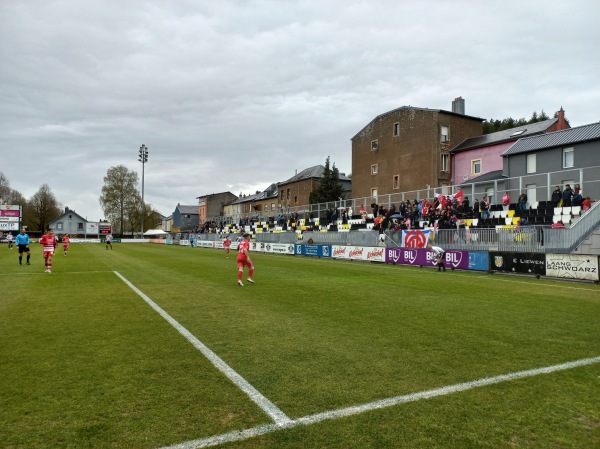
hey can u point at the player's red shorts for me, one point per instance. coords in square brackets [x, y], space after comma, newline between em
[48, 254]
[66, 247]
[243, 263]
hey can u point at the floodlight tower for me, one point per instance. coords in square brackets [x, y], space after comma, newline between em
[143, 159]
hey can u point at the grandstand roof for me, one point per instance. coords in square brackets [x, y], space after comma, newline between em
[555, 139]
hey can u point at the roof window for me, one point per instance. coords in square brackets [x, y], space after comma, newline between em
[518, 133]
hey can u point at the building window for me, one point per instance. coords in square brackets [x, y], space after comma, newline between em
[374, 193]
[295, 200]
[396, 182]
[444, 162]
[531, 163]
[568, 157]
[374, 169]
[80, 226]
[374, 145]
[272, 206]
[396, 129]
[58, 226]
[282, 194]
[289, 194]
[476, 167]
[445, 134]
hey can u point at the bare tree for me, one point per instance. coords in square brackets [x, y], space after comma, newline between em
[44, 207]
[120, 198]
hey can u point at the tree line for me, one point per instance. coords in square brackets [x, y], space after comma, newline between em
[120, 201]
[492, 126]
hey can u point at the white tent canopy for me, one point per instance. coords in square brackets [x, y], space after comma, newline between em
[155, 232]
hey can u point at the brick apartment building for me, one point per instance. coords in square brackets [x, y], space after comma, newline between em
[408, 149]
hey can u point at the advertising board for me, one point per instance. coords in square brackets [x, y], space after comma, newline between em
[572, 266]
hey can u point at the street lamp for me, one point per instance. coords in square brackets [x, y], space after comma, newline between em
[143, 159]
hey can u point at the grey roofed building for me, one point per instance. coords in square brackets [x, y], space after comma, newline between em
[313, 172]
[506, 135]
[185, 217]
[491, 176]
[555, 139]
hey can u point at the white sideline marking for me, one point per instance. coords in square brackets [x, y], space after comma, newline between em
[267, 406]
[383, 403]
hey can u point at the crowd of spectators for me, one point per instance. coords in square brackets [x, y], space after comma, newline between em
[441, 212]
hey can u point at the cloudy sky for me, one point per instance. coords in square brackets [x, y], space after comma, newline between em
[235, 95]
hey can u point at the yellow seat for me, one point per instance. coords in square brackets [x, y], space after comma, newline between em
[515, 220]
[511, 213]
[468, 222]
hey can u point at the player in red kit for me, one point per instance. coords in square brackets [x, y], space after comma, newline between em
[227, 246]
[65, 241]
[243, 260]
[50, 243]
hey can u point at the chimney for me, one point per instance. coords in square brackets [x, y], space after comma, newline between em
[458, 105]
[562, 123]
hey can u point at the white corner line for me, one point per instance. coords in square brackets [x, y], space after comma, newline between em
[267, 406]
[383, 403]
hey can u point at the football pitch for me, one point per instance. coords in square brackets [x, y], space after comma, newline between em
[154, 346]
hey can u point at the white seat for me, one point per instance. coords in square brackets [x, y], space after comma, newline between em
[566, 219]
[575, 210]
[508, 221]
[503, 214]
[534, 205]
[556, 218]
[475, 221]
[558, 211]
[566, 210]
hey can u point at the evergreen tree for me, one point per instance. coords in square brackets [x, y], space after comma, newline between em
[330, 188]
[492, 126]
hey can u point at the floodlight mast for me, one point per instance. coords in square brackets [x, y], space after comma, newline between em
[143, 158]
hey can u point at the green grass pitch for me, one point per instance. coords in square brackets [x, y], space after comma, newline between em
[342, 350]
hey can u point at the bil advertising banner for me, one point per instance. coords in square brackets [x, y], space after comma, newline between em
[572, 266]
[426, 258]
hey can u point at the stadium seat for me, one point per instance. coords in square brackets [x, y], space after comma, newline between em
[566, 210]
[576, 210]
[511, 213]
[508, 221]
[556, 218]
[515, 220]
[558, 211]
[566, 219]
[534, 205]
[503, 214]
[475, 221]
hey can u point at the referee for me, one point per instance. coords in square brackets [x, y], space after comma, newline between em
[22, 242]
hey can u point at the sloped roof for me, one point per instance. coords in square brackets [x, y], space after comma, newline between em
[419, 109]
[555, 139]
[312, 172]
[506, 135]
[491, 176]
[190, 210]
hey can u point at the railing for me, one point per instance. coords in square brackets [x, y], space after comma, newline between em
[539, 184]
[567, 240]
